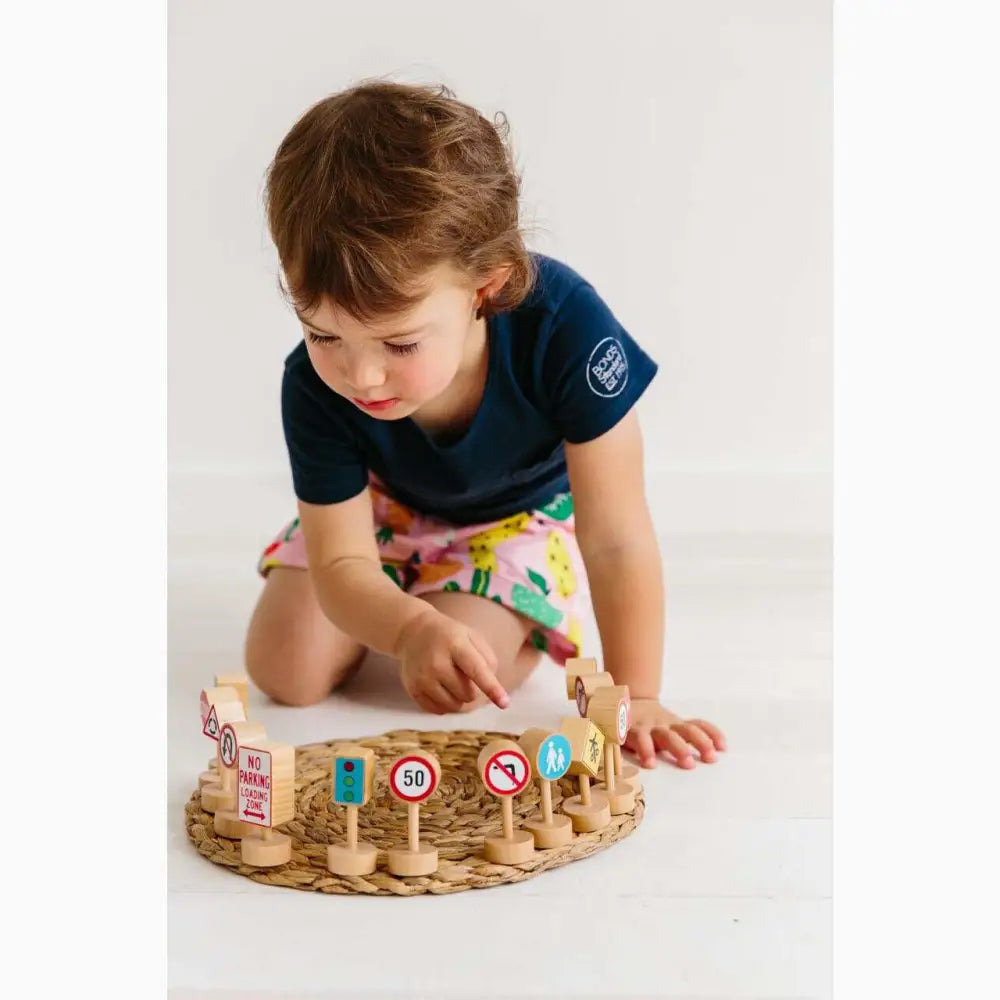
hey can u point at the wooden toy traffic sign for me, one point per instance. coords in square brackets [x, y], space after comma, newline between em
[550, 755]
[226, 822]
[412, 779]
[585, 688]
[224, 706]
[414, 776]
[590, 810]
[578, 666]
[505, 771]
[353, 775]
[266, 782]
[610, 710]
[211, 727]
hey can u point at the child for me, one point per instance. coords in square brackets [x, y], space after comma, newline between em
[460, 423]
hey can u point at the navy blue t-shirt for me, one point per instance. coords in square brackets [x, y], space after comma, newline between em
[561, 368]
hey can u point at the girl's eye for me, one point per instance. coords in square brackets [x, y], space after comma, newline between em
[322, 341]
[315, 338]
[403, 348]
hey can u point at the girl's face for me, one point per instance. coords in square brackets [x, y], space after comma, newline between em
[398, 364]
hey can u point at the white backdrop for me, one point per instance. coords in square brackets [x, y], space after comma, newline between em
[677, 154]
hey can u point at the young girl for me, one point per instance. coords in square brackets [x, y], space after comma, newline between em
[461, 428]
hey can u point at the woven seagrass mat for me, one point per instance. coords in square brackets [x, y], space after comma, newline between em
[455, 820]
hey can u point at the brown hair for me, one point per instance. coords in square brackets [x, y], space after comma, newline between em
[377, 185]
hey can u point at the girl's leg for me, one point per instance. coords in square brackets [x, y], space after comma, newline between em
[294, 653]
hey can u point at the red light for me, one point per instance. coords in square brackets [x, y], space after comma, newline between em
[348, 765]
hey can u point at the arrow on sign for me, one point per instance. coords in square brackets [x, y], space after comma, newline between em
[246, 812]
[211, 727]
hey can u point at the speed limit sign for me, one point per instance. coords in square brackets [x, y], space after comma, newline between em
[414, 777]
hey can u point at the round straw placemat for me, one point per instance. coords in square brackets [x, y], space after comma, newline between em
[455, 820]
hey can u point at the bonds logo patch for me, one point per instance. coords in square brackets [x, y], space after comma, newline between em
[607, 368]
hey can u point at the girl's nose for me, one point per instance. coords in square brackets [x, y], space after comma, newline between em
[364, 374]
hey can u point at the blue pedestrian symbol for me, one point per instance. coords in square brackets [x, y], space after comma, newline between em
[554, 757]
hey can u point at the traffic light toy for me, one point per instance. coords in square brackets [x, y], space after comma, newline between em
[353, 779]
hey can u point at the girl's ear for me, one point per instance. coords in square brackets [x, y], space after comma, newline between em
[492, 288]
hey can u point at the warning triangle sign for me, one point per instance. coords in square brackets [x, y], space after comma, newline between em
[212, 725]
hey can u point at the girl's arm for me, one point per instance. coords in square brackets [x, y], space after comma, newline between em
[619, 548]
[357, 597]
[621, 554]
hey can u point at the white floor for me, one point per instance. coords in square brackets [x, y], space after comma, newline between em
[723, 892]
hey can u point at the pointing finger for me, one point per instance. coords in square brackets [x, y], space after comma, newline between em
[471, 662]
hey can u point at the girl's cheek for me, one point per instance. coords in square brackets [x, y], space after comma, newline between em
[417, 378]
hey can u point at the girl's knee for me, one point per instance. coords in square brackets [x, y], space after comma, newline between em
[301, 678]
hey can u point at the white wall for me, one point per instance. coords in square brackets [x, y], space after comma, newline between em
[678, 154]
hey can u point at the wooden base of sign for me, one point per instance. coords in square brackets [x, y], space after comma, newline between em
[266, 851]
[215, 797]
[587, 818]
[631, 774]
[557, 833]
[227, 825]
[404, 862]
[621, 797]
[341, 860]
[513, 850]
[627, 772]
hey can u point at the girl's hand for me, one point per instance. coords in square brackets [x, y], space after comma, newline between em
[443, 662]
[654, 728]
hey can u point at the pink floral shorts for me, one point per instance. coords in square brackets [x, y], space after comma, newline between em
[529, 562]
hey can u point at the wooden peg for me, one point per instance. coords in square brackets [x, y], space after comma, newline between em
[413, 778]
[219, 705]
[550, 756]
[610, 710]
[590, 809]
[578, 666]
[232, 736]
[506, 772]
[240, 683]
[266, 786]
[353, 777]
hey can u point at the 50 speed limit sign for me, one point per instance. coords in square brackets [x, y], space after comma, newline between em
[414, 777]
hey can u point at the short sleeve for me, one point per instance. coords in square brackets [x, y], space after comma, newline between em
[327, 463]
[593, 372]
